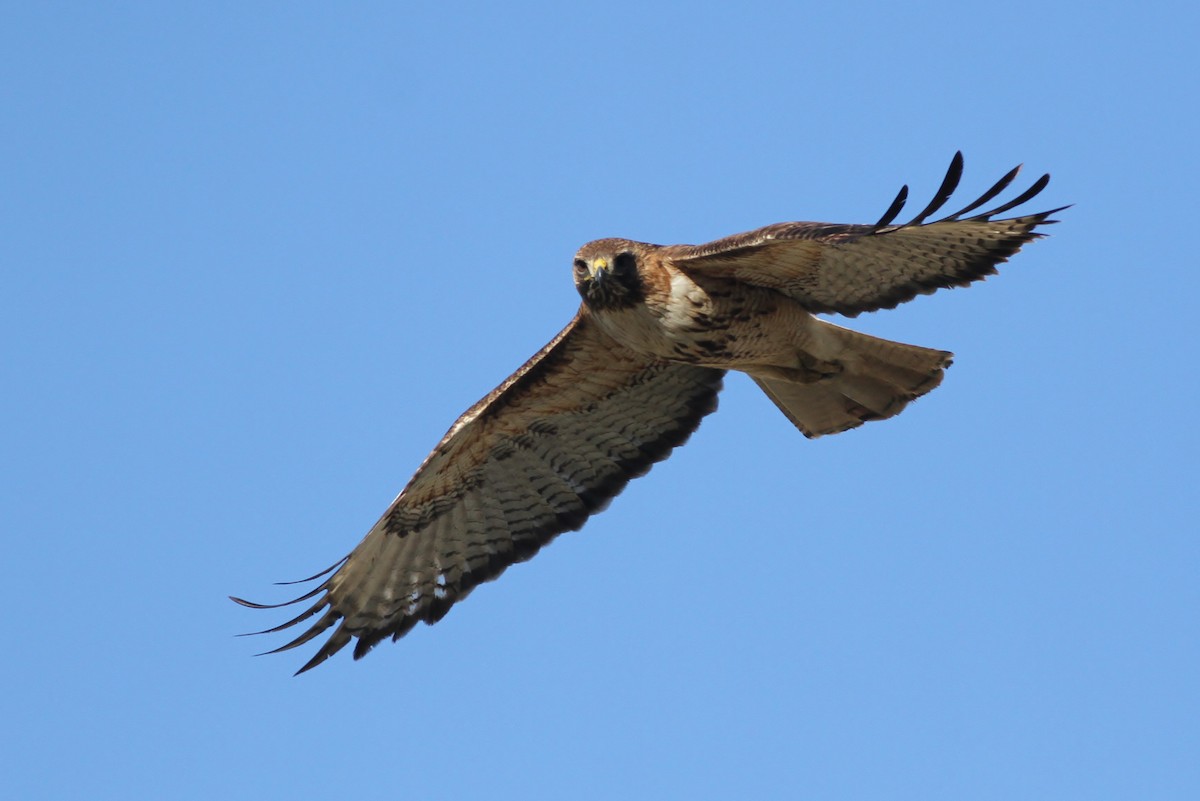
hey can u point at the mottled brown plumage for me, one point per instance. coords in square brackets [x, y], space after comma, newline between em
[630, 378]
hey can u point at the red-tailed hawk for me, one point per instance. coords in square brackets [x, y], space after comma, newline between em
[631, 376]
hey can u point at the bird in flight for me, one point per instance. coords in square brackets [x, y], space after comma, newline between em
[630, 378]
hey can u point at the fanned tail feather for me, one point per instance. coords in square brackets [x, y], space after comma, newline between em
[878, 379]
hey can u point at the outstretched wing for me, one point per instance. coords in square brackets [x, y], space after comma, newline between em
[850, 269]
[543, 451]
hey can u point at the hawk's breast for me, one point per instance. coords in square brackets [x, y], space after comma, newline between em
[713, 322]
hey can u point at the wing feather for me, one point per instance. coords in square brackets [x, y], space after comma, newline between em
[893, 210]
[850, 269]
[546, 449]
[949, 184]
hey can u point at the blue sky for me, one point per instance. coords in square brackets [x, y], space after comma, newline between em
[257, 257]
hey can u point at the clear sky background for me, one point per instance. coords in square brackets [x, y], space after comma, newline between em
[256, 258]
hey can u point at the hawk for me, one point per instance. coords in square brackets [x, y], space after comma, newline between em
[630, 378]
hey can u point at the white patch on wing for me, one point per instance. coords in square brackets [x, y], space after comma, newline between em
[686, 299]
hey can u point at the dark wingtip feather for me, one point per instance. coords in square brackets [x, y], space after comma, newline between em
[324, 572]
[328, 619]
[1028, 194]
[949, 184]
[1045, 215]
[336, 642]
[996, 189]
[894, 209]
[305, 615]
[254, 605]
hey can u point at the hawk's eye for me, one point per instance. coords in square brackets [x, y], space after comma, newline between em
[580, 266]
[624, 261]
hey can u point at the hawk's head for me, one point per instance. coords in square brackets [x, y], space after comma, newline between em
[607, 274]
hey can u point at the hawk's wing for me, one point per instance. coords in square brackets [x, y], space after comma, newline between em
[849, 269]
[543, 451]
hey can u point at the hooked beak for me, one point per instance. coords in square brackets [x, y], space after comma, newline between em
[598, 269]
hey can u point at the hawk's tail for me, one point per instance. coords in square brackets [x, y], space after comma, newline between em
[876, 379]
